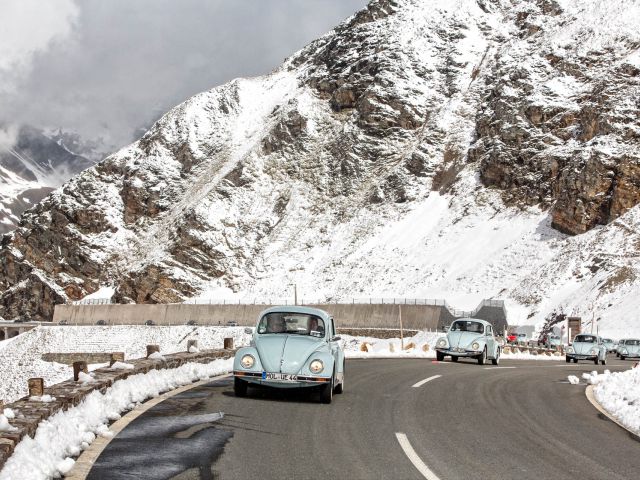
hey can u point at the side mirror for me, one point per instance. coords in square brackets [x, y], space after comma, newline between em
[248, 331]
[336, 339]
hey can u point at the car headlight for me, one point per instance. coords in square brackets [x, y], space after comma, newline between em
[623, 351]
[316, 366]
[247, 361]
[569, 349]
[593, 351]
[475, 346]
[442, 342]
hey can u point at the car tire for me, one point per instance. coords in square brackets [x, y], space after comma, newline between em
[439, 356]
[595, 361]
[482, 357]
[240, 387]
[454, 358]
[567, 359]
[622, 357]
[326, 393]
[575, 360]
[496, 361]
[340, 387]
[603, 362]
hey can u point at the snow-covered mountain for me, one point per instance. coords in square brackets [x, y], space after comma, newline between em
[33, 167]
[465, 150]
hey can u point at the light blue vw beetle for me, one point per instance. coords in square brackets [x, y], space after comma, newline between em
[587, 347]
[292, 347]
[469, 337]
[629, 349]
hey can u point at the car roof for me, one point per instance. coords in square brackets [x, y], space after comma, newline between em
[296, 309]
[484, 322]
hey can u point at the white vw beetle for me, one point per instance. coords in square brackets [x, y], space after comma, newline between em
[587, 347]
[629, 349]
[469, 337]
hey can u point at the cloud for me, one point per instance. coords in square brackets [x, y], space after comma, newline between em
[104, 69]
[30, 26]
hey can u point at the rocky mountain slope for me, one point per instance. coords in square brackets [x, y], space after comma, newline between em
[422, 148]
[32, 168]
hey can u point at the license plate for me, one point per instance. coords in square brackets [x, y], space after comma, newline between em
[281, 377]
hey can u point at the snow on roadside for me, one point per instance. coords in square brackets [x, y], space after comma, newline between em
[421, 345]
[21, 357]
[619, 394]
[66, 434]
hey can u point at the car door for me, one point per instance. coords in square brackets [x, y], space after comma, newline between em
[491, 342]
[336, 351]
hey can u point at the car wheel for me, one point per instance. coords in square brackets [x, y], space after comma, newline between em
[595, 362]
[482, 357]
[622, 357]
[567, 359]
[340, 387]
[326, 394]
[603, 361]
[496, 360]
[439, 356]
[454, 358]
[240, 387]
[575, 360]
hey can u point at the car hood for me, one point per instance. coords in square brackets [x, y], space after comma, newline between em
[631, 348]
[463, 339]
[583, 348]
[286, 353]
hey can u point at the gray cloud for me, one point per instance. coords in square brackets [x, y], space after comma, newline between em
[124, 63]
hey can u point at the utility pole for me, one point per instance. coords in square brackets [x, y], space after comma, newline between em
[295, 293]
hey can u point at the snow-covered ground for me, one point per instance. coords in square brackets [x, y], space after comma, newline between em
[619, 394]
[65, 434]
[20, 357]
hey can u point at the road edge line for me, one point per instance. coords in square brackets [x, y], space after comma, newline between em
[414, 458]
[591, 397]
[87, 458]
[422, 382]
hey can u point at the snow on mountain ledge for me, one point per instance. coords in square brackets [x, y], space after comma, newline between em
[421, 149]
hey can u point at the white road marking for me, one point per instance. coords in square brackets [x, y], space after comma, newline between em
[422, 382]
[497, 368]
[414, 458]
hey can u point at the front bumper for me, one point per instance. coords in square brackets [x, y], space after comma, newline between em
[578, 356]
[303, 380]
[459, 352]
[631, 355]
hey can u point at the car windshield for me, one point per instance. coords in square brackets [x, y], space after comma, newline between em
[632, 342]
[467, 326]
[607, 340]
[292, 323]
[554, 337]
[585, 339]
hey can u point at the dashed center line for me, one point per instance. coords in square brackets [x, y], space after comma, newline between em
[422, 382]
[414, 458]
[497, 368]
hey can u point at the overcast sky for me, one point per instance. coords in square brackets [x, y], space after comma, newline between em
[105, 68]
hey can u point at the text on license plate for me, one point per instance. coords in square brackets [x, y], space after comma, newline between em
[284, 377]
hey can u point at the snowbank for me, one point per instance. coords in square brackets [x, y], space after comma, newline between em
[619, 394]
[66, 434]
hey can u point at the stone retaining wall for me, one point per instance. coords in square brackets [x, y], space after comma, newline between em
[70, 393]
[376, 332]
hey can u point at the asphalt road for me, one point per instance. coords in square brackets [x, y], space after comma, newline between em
[473, 422]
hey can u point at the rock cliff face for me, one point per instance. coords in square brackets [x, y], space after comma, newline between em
[421, 148]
